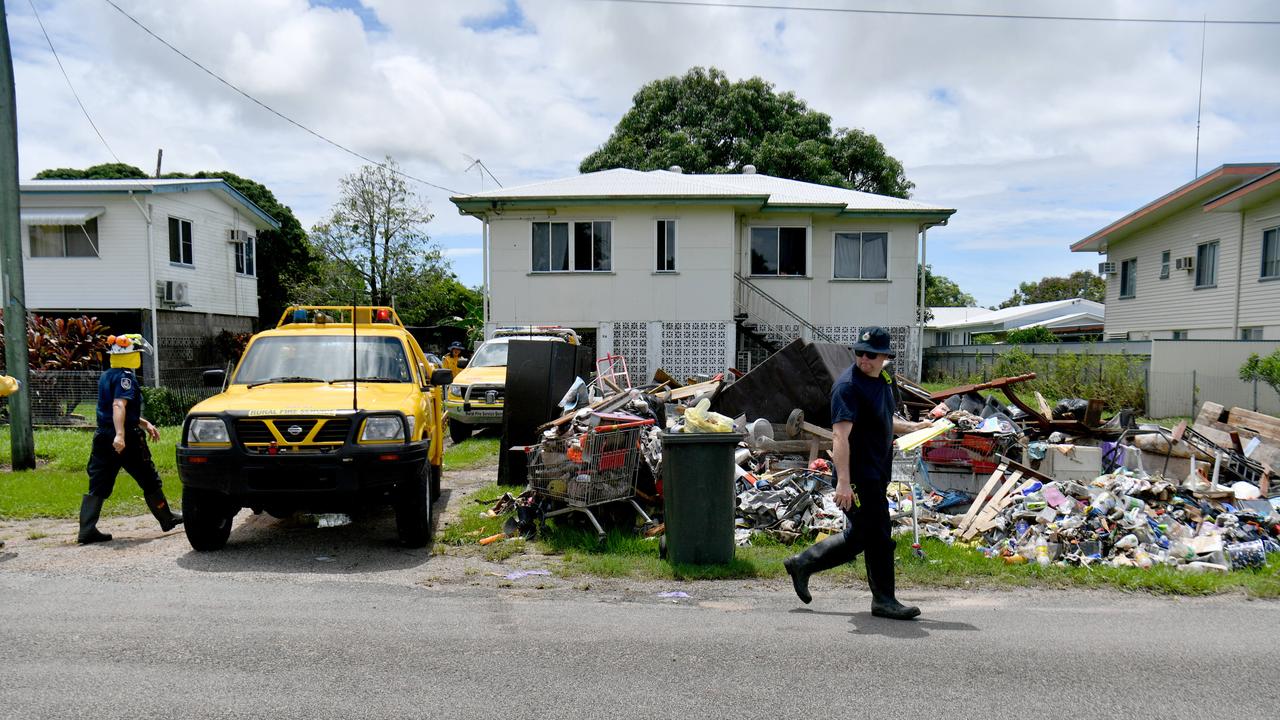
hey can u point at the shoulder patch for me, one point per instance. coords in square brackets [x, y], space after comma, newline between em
[125, 383]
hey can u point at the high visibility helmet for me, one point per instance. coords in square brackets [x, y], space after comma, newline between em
[125, 351]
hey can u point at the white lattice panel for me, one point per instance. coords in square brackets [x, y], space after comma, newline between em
[631, 341]
[694, 348]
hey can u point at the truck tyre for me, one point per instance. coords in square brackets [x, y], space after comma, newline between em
[413, 509]
[436, 473]
[458, 431]
[207, 518]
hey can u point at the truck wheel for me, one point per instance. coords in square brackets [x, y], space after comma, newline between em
[413, 509]
[206, 517]
[458, 431]
[436, 473]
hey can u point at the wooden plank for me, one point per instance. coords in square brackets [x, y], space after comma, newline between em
[1093, 415]
[1264, 425]
[1003, 382]
[688, 391]
[1210, 412]
[661, 376]
[993, 508]
[981, 497]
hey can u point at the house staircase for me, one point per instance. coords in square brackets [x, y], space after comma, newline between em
[765, 324]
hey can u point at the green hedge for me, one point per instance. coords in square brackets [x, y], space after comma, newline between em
[168, 406]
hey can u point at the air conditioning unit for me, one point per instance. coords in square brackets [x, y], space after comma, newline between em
[172, 291]
[237, 236]
[1187, 263]
[1106, 268]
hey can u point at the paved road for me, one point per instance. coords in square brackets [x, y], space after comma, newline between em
[198, 645]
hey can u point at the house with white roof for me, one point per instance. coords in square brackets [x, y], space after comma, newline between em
[696, 273]
[1071, 319]
[172, 259]
[1199, 263]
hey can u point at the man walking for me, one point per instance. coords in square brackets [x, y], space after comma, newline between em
[121, 442]
[862, 404]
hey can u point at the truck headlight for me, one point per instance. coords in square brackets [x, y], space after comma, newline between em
[382, 428]
[208, 430]
[456, 391]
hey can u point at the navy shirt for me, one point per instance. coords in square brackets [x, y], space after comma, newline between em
[118, 383]
[868, 403]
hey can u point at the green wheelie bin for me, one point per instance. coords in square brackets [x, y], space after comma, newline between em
[698, 496]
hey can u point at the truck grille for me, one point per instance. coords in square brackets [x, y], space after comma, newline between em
[293, 431]
[481, 394]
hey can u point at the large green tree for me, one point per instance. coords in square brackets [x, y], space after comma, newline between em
[940, 291]
[284, 258]
[1079, 284]
[375, 238]
[705, 123]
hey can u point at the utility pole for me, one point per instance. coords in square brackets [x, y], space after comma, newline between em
[22, 442]
[159, 157]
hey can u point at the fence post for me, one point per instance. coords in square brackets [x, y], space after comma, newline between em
[1146, 382]
[1255, 394]
[1193, 393]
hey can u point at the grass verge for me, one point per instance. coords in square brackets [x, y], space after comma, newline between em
[474, 452]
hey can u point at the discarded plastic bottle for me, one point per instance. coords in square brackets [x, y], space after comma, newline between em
[1042, 553]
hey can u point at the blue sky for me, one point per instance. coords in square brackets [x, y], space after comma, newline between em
[1037, 132]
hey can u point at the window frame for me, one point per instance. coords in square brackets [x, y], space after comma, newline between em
[190, 261]
[670, 240]
[862, 240]
[1178, 334]
[94, 239]
[1133, 279]
[1166, 259]
[808, 260]
[1250, 332]
[571, 239]
[1275, 259]
[1213, 281]
[246, 257]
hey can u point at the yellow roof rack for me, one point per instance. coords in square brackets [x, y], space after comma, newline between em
[318, 315]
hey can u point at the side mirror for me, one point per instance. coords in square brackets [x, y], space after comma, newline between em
[213, 378]
[441, 377]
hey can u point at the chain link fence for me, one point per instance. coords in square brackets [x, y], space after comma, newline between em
[68, 398]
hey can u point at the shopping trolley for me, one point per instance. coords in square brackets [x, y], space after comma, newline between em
[909, 470]
[588, 469]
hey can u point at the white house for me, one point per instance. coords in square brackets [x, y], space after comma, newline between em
[1069, 319]
[696, 273]
[173, 259]
[1199, 263]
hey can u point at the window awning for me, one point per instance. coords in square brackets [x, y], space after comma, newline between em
[60, 216]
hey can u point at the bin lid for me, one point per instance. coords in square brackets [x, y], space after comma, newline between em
[700, 438]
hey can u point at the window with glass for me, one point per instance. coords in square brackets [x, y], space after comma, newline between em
[579, 246]
[1129, 278]
[1271, 253]
[666, 245]
[244, 256]
[862, 256]
[1164, 265]
[779, 251]
[1207, 264]
[1179, 334]
[1251, 333]
[180, 241]
[65, 240]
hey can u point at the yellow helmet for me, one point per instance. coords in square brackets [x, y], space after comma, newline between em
[126, 350]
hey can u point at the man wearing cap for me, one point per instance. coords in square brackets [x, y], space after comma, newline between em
[453, 357]
[862, 404]
[121, 441]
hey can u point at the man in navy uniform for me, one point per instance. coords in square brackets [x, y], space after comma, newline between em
[862, 404]
[121, 441]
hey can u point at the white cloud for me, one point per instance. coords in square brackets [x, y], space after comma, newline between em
[1038, 132]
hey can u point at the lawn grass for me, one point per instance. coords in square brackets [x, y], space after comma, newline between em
[54, 488]
[474, 452]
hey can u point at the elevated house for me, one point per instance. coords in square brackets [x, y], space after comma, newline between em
[696, 273]
[173, 259]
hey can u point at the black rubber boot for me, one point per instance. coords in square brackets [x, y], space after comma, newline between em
[880, 579]
[832, 552]
[160, 508]
[90, 509]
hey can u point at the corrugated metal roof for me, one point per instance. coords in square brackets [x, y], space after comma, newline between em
[146, 185]
[626, 184]
[59, 216]
[1074, 305]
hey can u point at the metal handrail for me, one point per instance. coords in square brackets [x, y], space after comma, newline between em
[742, 307]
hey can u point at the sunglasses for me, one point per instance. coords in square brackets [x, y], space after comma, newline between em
[865, 354]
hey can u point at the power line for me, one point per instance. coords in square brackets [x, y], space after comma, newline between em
[270, 109]
[925, 13]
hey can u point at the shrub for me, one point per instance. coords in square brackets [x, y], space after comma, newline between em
[1265, 369]
[167, 406]
[984, 339]
[1116, 379]
[1027, 336]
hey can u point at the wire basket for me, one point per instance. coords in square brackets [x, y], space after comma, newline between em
[590, 468]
